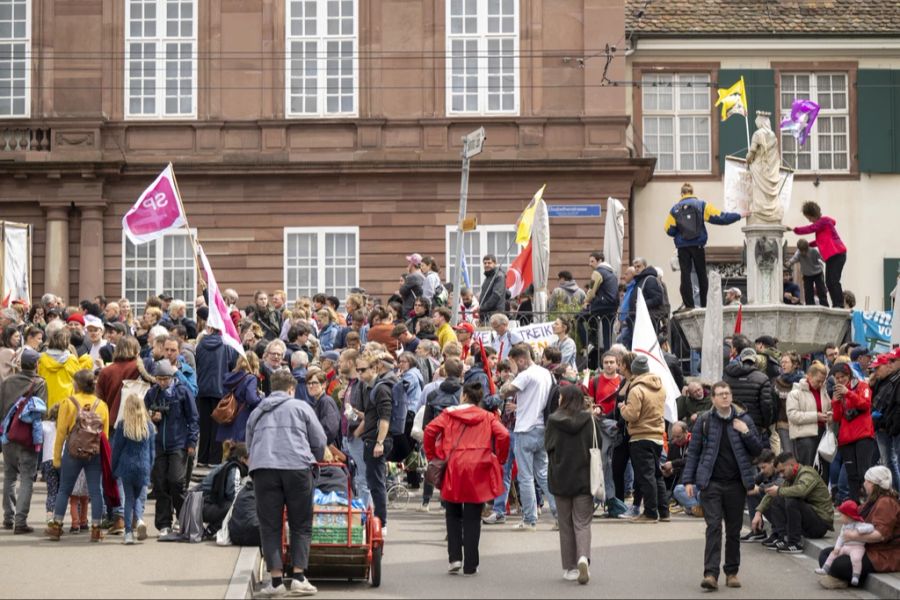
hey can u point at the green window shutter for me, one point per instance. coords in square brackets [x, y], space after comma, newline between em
[760, 85]
[877, 111]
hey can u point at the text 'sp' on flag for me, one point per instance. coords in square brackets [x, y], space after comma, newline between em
[157, 211]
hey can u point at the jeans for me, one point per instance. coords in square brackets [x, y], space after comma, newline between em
[500, 501]
[889, 449]
[857, 460]
[645, 457]
[834, 266]
[134, 506]
[682, 498]
[70, 469]
[787, 445]
[276, 490]
[794, 518]
[19, 463]
[693, 257]
[463, 534]
[168, 484]
[209, 452]
[805, 449]
[356, 448]
[575, 516]
[139, 502]
[814, 285]
[606, 454]
[376, 476]
[723, 500]
[531, 459]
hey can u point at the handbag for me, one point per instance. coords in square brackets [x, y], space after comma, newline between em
[19, 431]
[598, 485]
[437, 468]
[226, 411]
[827, 446]
[418, 429]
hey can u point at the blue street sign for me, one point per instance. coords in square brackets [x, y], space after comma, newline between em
[573, 210]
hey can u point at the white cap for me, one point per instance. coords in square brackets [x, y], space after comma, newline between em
[92, 321]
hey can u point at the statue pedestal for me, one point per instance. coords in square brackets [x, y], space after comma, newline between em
[765, 260]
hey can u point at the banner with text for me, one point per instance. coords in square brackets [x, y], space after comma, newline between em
[873, 330]
[538, 335]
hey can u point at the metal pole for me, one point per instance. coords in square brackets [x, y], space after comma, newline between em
[463, 199]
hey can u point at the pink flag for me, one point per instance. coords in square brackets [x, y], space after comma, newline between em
[157, 210]
[218, 313]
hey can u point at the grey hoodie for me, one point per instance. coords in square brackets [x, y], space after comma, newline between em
[568, 292]
[284, 433]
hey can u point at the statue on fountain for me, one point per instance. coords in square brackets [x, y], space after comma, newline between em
[764, 164]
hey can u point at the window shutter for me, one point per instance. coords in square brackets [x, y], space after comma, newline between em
[878, 112]
[760, 84]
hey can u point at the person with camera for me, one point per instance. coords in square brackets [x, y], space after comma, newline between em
[801, 507]
[173, 410]
[851, 405]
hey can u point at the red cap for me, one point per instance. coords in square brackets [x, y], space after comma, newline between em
[77, 317]
[896, 353]
[850, 509]
[882, 360]
[467, 327]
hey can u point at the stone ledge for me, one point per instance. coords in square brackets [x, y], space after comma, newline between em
[801, 328]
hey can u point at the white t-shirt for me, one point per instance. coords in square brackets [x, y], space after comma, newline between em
[534, 385]
[503, 343]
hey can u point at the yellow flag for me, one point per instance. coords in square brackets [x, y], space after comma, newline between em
[733, 100]
[526, 219]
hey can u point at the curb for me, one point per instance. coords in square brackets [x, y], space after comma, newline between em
[241, 584]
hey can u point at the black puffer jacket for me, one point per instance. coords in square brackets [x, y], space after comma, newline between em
[447, 395]
[752, 391]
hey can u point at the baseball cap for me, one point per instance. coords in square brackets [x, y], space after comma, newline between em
[76, 318]
[415, 259]
[882, 359]
[164, 369]
[896, 353]
[857, 352]
[92, 321]
[332, 356]
[116, 326]
[467, 327]
[165, 297]
[748, 355]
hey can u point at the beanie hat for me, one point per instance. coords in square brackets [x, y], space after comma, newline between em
[76, 318]
[29, 359]
[640, 366]
[850, 509]
[880, 476]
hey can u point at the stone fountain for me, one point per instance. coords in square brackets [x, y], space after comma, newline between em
[801, 328]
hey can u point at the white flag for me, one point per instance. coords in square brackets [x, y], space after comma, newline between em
[218, 313]
[645, 342]
[895, 321]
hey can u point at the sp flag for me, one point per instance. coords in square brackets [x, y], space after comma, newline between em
[157, 211]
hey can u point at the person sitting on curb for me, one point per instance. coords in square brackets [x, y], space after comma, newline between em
[800, 507]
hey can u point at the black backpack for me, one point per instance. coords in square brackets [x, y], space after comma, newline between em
[552, 402]
[688, 219]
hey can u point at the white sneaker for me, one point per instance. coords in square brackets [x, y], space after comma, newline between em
[129, 539]
[523, 526]
[300, 588]
[584, 573]
[384, 532]
[555, 525]
[273, 592]
[455, 567]
[164, 532]
[494, 519]
[423, 508]
[570, 575]
[141, 530]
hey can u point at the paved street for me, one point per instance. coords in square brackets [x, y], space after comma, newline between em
[629, 561]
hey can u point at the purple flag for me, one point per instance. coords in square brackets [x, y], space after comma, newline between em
[799, 124]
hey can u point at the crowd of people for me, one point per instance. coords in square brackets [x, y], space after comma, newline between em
[107, 405]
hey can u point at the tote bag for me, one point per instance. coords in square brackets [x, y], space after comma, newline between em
[598, 486]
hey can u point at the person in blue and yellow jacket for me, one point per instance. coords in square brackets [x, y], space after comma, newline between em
[686, 223]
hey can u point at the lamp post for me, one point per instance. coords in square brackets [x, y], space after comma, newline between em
[472, 146]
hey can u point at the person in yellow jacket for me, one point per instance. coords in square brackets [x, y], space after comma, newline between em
[70, 467]
[58, 367]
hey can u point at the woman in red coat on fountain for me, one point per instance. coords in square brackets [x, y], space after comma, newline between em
[475, 445]
[852, 407]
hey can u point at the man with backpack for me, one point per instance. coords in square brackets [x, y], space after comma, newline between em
[21, 456]
[446, 395]
[646, 279]
[686, 222]
[601, 303]
[532, 388]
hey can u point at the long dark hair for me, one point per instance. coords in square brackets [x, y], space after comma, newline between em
[571, 400]
[877, 493]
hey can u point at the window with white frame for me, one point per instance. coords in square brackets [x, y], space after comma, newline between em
[676, 121]
[15, 58]
[164, 266]
[322, 63]
[499, 240]
[828, 146]
[320, 260]
[161, 59]
[482, 57]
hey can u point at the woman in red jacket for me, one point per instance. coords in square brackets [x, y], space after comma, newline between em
[475, 445]
[852, 407]
[830, 246]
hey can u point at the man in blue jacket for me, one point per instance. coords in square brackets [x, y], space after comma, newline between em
[720, 464]
[686, 222]
[214, 361]
[173, 411]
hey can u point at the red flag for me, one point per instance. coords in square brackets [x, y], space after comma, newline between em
[520, 275]
[739, 319]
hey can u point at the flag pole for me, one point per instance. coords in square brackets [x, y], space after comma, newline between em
[188, 227]
[747, 124]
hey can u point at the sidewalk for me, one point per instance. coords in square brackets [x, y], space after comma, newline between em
[75, 568]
